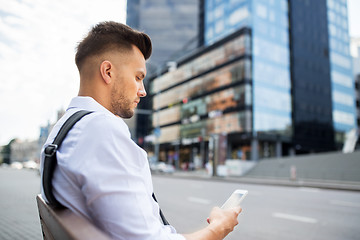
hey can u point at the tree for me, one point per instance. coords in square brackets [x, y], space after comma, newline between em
[6, 152]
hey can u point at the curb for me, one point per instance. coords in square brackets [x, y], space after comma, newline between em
[339, 185]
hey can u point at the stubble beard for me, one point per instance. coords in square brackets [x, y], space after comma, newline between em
[120, 105]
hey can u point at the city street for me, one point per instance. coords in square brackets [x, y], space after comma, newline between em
[269, 212]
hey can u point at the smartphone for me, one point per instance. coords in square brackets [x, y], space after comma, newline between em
[235, 199]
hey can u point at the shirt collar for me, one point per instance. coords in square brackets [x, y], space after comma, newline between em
[87, 103]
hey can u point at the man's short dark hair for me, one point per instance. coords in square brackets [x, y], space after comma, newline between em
[111, 35]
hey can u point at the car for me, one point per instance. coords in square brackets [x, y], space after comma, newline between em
[162, 167]
[16, 165]
[31, 165]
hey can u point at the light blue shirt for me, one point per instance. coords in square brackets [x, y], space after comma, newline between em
[104, 176]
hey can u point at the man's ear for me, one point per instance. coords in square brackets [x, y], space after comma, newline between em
[106, 71]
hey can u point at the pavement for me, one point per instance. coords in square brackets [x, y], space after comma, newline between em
[313, 183]
[18, 216]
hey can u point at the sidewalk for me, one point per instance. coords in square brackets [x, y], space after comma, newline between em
[19, 216]
[332, 170]
[314, 183]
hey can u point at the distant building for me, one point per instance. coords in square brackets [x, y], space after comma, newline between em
[357, 90]
[46, 129]
[22, 151]
[320, 64]
[174, 30]
[268, 82]
[172, 25]
[355, 52]
[342, 79]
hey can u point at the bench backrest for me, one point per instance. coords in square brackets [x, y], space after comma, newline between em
[63, 224]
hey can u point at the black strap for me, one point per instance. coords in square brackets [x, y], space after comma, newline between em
[50, 160]
[161, 213]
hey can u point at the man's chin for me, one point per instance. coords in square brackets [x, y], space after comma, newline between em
[127, 114]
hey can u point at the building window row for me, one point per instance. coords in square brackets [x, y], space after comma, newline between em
[190, 133]
[236, 72]
[209, 106]
[239, 47]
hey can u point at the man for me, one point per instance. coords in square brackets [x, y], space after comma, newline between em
[102, 174]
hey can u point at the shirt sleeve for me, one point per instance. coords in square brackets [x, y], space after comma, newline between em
[116, 182]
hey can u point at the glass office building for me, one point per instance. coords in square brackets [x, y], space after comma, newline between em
[238, 86]
[310, 69]
[172, 25]
[224, 17]
[174, 30]
[272, 106]
[343, 99]
[209, 93]
[318, 98]
[268, 82]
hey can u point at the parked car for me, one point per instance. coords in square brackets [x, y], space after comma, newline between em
[161, 167]
[16, 165]
[31, 165]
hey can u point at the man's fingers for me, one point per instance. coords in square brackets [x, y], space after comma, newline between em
[238, 210]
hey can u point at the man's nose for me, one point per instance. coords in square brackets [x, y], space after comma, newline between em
[142, 92]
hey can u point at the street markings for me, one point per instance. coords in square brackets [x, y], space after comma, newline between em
[308, 189]
[199, 200]
[294, 217]
[197, 186]
[344, 203]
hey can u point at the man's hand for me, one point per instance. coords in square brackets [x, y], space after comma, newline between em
[221, 223]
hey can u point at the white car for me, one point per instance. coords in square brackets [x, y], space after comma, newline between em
[31, 165]
[16, 165]
[162, 167]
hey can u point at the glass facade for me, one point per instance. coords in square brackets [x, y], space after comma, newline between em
[341, 67]
[171, 38]
[271, 83]
[232, 87]
[174, 36]
[271, 67]
[222, 17]
[312, 108]
[207, 94]
[268, 82]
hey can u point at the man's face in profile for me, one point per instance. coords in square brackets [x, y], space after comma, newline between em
[128, 87]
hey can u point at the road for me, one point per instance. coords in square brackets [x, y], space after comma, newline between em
[269, 212]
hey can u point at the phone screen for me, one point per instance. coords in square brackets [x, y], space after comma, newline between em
[235, 199]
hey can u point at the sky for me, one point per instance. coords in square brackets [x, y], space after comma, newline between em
[38, 75]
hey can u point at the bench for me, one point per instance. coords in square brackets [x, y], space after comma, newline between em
[62, 224]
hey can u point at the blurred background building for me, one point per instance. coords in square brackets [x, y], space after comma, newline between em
[355, 52]
[173, 27]
[174, 30]
[263, 81]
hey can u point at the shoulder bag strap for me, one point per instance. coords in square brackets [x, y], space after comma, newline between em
[165, 222]
[50, 160]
